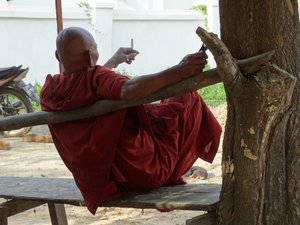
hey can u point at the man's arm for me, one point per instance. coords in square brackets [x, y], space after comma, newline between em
[122, 55]
[191, 65]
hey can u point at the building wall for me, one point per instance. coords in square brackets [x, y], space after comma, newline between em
[162, 40]
[162, 37]
[28, 38]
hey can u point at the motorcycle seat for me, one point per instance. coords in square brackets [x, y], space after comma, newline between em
[4, 69]
[8, 71]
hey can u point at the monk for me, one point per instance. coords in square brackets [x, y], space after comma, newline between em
[137, 148]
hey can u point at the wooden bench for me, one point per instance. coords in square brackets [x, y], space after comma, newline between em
[23, 193]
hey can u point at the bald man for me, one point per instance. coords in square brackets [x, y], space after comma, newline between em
[137, 148]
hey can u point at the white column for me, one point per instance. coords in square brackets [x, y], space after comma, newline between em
[213, 16]
[102, 22]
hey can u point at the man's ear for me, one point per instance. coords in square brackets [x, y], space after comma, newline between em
[89, 57]
[57, 56]
[93, 56]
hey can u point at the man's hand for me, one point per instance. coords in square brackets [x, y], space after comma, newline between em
[122, 55]
[192, 64]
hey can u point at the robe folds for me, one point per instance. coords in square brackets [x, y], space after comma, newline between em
[137, 148]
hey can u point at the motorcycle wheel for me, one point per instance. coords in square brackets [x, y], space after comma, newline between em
[16, 103]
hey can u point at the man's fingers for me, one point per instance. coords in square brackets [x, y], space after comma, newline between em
[131, 57]
[130, 51]
[201, 55]
[198, 56]
[198, 62]
[134, 51]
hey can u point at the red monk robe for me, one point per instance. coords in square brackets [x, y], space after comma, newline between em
[140, 147]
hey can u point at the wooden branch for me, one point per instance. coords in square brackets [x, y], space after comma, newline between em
[102, 107]
[106, 106]
[228, 67]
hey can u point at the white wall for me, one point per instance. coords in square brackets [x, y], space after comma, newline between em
[163, 37]
[178, 4]
[154, 4]
[213, 20]
[27, 37]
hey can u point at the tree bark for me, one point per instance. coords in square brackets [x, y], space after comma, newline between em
[261, 150]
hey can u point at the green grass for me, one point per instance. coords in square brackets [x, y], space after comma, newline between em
[214, 94]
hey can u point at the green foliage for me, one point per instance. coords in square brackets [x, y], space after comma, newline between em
[207, 67]
[85, 5]
[87, 8]
[203, 9]
[214, 94]
[37, 87]
[124, 72]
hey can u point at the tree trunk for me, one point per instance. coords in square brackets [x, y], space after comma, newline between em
[261, 150]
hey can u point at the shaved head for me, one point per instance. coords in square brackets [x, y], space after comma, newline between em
[76, 49]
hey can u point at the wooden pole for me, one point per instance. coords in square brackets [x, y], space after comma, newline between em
[58, 15]
[105, 106]
[59, 22]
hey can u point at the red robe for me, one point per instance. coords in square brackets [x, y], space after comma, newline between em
[137, 148]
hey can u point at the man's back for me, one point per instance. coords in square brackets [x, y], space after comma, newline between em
[78, 141]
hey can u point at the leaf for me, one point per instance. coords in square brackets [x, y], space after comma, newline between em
[290, 6]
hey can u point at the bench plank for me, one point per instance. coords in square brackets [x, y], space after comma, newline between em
[64, 191]
[56, 190]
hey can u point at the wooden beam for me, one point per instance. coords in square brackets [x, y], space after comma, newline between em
[105, 106]
[58, 15]
[15, 206]
[59, 22]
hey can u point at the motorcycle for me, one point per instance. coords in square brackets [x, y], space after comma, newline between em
[16, 97]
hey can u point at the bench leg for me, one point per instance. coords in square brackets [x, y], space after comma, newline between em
[57, 214]
[3, 216]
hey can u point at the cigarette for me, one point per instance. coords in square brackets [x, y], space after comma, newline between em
[131, 44]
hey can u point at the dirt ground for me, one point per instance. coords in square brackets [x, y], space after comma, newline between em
[42, 160]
